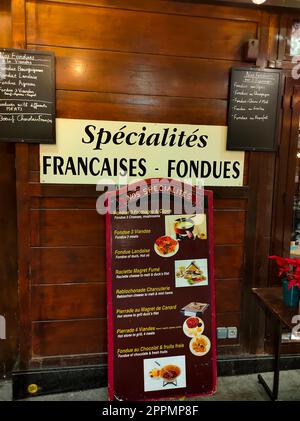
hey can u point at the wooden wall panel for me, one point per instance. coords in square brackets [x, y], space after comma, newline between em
[173, 7]
[61, 265]
[229, 227]
[69, 337]
[34, 157]
[57, 228]
[5, 24]
[77, 191]
[158, 109]
[230, 204]
[117, 29]
[140, 61]
[229, 261]
[140, 74]
[228, 295]
[37, 203]
[63, 302]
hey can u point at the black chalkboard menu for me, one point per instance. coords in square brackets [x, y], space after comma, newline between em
[253, 109]
[27, 96]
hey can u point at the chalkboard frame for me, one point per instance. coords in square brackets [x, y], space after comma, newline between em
[262, 147]
[51, 140]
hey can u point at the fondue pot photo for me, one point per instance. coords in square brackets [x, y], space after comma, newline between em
[184, 227]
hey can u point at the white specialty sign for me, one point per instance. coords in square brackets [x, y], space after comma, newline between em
[88, 151]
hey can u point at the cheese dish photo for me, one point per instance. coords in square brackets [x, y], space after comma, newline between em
[189, 273]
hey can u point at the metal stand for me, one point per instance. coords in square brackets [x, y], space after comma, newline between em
[174, 383]
[273, 394]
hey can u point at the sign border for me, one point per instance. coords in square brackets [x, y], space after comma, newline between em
[110, 324]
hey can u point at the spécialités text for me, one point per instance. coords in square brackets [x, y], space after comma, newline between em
[104, 166]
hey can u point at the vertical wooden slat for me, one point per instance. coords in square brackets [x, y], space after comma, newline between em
[18, 23]
[263, 40]
[273, 38]
[249, 269]
[9, 347]
[19, 41]
[5, 24]
[23, 252]
[257, 248]
[8, 258]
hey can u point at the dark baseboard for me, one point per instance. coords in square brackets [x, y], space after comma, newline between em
[70, 379]
[57, 380]
[238, 365]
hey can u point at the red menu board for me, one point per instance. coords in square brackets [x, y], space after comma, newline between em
[161, 311]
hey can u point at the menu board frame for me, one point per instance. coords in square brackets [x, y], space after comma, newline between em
[35, 139]
[208, 197]
[239, 142]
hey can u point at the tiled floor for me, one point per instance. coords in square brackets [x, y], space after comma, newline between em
[235, 388]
